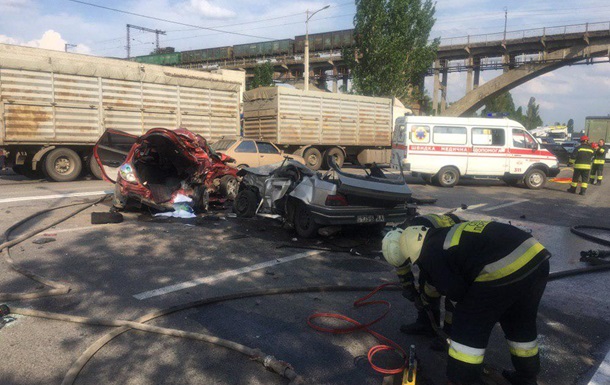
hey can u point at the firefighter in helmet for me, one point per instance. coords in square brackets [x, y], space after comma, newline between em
[582, 158]
[494, 272]
[597, 169]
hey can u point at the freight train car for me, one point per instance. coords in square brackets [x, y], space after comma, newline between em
[266, 48]
[164, 59]
[325, 41]
[207, 54]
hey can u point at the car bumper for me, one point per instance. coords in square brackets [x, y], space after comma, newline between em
[553, 172]
[328, 216]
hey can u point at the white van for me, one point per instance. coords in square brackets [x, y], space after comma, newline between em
[444, 149]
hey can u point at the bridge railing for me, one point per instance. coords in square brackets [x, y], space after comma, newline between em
[546, 32]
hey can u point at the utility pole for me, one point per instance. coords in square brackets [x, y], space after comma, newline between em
[505, 22]
[68, 45]
[157, 32]
[306, 58]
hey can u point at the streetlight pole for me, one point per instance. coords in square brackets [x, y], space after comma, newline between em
[306, 72]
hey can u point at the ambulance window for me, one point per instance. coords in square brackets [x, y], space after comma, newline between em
[488, 136]
[420, 134]
[449, 135]
[522, 139]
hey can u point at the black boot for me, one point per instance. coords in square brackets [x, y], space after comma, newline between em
[517, 379]
[421, 326]
[599, 182]
[592, 181]
[583, 191]
[572, 190]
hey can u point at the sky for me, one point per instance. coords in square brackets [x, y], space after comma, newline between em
[568, 93]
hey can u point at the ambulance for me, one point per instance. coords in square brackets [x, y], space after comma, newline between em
[444, 149]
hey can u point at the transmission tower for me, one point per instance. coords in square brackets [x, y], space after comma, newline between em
[157, 32]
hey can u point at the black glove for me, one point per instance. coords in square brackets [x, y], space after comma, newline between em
[410, 293]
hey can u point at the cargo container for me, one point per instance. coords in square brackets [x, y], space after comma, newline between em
[267, 48]
[164, 59]
[316, 124]
[55, 105]
[326, 41]
[207, 54]
[598, 127]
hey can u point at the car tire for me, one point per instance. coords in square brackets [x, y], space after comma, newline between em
[304, 224]
[313, 158]
[94, 168]
[242, 166]
[62, 165]
[448, 176]
[337, 153]
[535, 179]
[245, 203]
[229, 187]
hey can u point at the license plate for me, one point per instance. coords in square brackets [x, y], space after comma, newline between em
[370, 218]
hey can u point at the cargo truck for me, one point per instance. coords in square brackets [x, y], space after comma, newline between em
[598, 127]
[315, 124]
[54, 106]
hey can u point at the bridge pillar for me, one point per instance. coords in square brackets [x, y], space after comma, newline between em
[444, 80]
[469, 73]
[476, 63]
[436, 87]
[335, 80]
[508, 62]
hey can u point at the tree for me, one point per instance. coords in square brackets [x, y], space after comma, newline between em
[571, 125]
[532, 117]
[392, 53]
[502, 104]
[263, 76]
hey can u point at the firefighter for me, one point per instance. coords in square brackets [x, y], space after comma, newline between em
[494, 272]
[597, 169]
[582, 157]
[429, 295]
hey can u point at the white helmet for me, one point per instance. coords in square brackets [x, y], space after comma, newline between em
[390, 246]
[412, 241]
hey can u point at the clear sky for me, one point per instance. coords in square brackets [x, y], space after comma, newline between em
[572, 92]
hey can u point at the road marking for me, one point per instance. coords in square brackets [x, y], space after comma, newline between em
[477, 206]
[602, 375]
[55, 196]
[224, 275]
[505, 205]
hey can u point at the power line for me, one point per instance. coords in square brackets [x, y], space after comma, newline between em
[166, 20]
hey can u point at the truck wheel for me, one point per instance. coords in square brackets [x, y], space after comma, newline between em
[62, 165]
[245, 203]
[229, 186]
[313, 158]
[337, 153]
[304, 224]
[94, 167]
[448, 176]
[535, 179]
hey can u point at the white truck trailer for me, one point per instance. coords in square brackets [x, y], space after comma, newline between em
[54, 105]
[317, 124]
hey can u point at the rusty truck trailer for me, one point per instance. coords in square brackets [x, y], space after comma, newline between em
[55, 105]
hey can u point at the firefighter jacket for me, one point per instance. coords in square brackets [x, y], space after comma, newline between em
[582, 157]
[478, 253]
[600, 156]
[435, 221]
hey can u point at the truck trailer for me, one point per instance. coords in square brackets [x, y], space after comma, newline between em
[54, 106]
[598, 127]
[315, 124]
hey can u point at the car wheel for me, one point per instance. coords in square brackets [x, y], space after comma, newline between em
[337, 153]
[304, 224]
[313, 158]
[229, 186]
[448, 176]
[62, 165]
[245, 203]
[242, 166]
[535, 179]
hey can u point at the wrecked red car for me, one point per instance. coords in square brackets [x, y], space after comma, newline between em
[162, 166]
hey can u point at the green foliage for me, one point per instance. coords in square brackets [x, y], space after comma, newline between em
[263, 76]
[504, 104]
[392, 53]
[570, 125]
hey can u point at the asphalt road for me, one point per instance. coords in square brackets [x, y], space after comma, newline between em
[124, 271]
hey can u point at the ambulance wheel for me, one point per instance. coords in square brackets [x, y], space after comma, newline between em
[535, 179]
[448, 176]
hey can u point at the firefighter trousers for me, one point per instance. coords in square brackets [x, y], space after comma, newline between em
[582, 176]
[597, 173]
[515, 306]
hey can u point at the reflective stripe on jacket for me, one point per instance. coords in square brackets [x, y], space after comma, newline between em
[583, 156]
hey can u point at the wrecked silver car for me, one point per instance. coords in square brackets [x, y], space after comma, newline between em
[309, 200]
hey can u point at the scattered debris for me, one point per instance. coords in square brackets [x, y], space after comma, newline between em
[329, 231]
[43, 240]
[231, 215]
[102, 218]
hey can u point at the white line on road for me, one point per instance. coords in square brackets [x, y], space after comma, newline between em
[602, 375]
[226, 274]
[505, 205]
[54, 196]
[471, 207]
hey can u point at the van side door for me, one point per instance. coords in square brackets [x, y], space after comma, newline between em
[399, 143]
[522, 148]
[489, 152]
